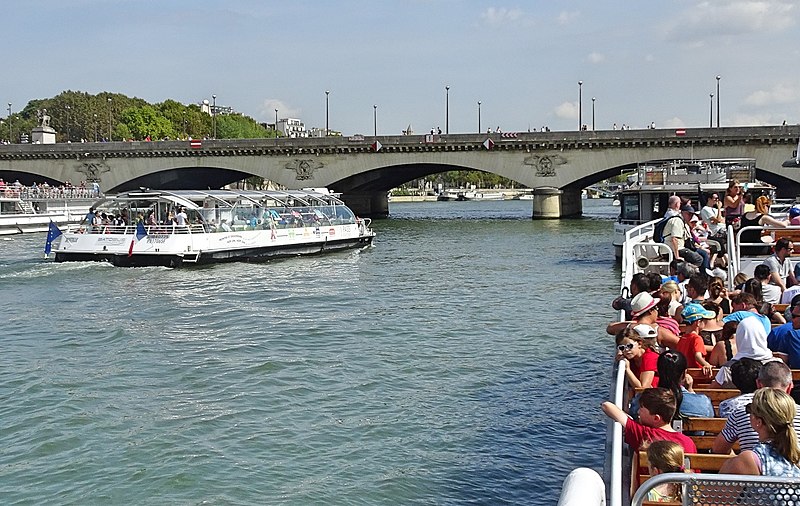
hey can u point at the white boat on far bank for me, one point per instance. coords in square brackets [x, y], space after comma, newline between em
[25, 209]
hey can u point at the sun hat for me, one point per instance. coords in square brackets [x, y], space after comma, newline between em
[693, 312]
[645, 331]
[642, 303]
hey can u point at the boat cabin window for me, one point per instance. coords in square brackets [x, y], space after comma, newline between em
[629, 207]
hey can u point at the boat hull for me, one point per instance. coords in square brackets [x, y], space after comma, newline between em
[178, 250]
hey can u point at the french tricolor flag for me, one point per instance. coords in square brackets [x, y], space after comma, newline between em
[141, 233]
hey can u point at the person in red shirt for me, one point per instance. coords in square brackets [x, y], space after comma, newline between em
[656, 408]
[691, 344]
[635, 346]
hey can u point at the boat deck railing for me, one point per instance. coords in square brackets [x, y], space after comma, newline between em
[199, 228]
[48, 193]
[738, 262]
[725, 489]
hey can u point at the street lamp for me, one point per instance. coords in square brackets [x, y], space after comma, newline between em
[67, 107]
[593, 99]
[184, 125]
[109, 119]
[95, 128]
[276, 123]
[375, 120]
[214, 116]
[580, 105]
[10, 133]
[718, 78]
[479, 116]
[710, 110]
[327, 130]
[447, 110]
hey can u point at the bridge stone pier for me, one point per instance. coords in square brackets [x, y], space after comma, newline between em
[557, 165]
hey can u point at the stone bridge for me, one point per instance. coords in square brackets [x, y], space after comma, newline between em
[557, 165]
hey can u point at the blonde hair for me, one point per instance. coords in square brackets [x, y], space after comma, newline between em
[776, 409]
[666, 456]
[762, 205]
[740, 278]
[671, 288]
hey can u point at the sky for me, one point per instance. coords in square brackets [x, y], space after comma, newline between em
[642, 62]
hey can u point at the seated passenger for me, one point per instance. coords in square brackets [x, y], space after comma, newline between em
[634, 345]
[725, 349]
[691, 344]
[777, 452]
[744, 374]
[774, 375]
[655, 414]
[644, 310]
[664, 457]
[672, 375]
[224, 227]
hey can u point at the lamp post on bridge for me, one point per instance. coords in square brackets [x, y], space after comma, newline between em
[109, 119]
[710, 110]
[10, 133]
[718, 78]
[479, 116]
[593, 99]
[327, 129]
[95, 128]
[276, 123]
[214, 116]
[447, 110]
[375, 120]
[580, 105]
[67, 107]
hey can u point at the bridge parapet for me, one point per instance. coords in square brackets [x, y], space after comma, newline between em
[514, 141]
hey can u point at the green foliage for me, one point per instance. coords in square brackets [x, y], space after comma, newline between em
[78, 116]
[146, 122]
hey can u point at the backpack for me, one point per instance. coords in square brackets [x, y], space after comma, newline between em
[658, 229]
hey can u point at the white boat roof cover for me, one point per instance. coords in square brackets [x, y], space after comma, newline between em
[188, 198]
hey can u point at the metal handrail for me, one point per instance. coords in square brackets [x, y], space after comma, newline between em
[694, 486]
[616, 490]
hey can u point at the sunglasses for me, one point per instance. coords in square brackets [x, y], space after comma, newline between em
[626, 347]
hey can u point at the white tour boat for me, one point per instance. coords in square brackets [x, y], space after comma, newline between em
[646, 198]
[24, 209]
[585, 487]
[185, 227]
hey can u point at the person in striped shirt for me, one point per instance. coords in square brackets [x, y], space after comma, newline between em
[774, 374]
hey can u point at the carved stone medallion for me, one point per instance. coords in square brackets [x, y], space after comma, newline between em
[304, 168]
[545, 165]
[93, 170]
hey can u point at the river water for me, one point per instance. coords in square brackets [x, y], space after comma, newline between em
[461, 360]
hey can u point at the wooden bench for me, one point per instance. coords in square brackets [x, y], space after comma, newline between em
[716, 395]
[708, 425]
[698, 462]
[700, 380]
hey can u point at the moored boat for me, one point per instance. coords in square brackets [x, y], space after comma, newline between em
[24, 209]
[645, 199]
[185, 227]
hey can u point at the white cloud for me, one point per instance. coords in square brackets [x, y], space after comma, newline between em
[567, 110]
[501, 16]
[674, 122]
[729, 18]
[596, 57]
[565, 17]
[780, 93]
[758, 119]
[269, 105]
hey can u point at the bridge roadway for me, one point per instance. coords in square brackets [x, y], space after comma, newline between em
[557, 165]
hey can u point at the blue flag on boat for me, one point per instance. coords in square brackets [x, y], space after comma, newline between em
[52, 234]
[141, 233]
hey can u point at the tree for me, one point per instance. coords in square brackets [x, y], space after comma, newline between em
[144, 122]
